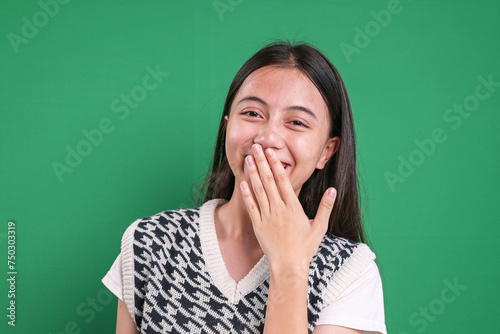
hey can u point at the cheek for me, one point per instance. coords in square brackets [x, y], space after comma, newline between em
[237, 144]
[239, 133]
[234, 139]
[307, 152]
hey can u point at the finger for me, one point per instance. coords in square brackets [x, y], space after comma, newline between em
[281, 178]
[258, 189]
[252, 207]
[266, 174]
[324, 210]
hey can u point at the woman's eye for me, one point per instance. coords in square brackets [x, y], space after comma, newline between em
[298, 123]
[251, 113]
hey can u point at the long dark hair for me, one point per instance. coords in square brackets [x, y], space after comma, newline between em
[340, 170]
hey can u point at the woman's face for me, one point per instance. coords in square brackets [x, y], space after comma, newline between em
[280, 108]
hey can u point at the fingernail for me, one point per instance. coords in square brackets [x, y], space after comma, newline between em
[269, 152]
[249, 159]
[257, 148]
[331, 192]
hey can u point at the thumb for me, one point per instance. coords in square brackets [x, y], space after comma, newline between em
[325, 209]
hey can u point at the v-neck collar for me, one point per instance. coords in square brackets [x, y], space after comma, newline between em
[216, 267]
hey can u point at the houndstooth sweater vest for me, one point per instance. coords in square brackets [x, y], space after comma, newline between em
[175, 281]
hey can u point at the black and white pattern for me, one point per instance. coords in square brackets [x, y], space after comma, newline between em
[169, 286]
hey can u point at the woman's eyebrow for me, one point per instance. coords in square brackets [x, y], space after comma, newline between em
[253, 98]
[261, 101]
[304, 109]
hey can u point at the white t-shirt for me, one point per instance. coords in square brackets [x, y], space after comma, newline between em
[360, 306]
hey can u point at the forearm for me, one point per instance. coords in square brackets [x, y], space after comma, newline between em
[287, 302]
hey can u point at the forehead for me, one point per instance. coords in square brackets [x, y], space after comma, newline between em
[282, 87]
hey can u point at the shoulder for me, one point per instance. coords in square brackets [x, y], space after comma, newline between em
[334, 245]
[348, 259]
[169, 219]
[344, 251]
[338, 262]
[140, 241]
[156, 226]
[360, 305]
[168, 227]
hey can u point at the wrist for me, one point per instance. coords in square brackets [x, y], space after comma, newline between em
[295, 272]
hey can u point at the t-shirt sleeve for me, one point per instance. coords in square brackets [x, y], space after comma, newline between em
[360, 306]
[113, 279]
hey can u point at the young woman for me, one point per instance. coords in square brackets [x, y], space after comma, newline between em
[277, 246]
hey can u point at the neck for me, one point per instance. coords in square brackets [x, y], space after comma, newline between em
[232, 219]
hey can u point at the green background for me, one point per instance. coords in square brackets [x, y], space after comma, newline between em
[436, 225]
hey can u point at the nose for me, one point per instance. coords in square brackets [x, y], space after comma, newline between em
[269, 136]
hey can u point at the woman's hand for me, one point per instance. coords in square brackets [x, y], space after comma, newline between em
[286, 235]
